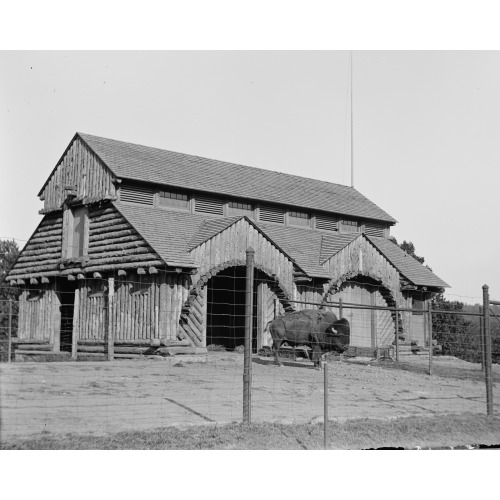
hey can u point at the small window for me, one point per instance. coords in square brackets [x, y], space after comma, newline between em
[298, 218]
[349, 226]
[77, 239]
[237, 208]
[171, 199]
[418, 304]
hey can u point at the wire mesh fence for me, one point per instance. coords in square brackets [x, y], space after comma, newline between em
[400, 361]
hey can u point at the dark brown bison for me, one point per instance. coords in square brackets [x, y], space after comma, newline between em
[320, 330]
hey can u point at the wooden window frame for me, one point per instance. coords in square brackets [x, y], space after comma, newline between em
[68, 233]
[188, 208]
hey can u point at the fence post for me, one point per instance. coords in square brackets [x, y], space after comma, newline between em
[9, 349]
[76, 325]
[325, 419]
[487, 351]
[431, 344]
[111, 300]
[481, 337]
[341, 309]
[247, 363]
[397, 332]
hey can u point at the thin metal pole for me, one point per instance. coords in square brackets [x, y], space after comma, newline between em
[397, 332]
[9, 350]
[431, 345]
[325, 426]
[352, 125]
[487, 351]
[341, 309]
[247, 363]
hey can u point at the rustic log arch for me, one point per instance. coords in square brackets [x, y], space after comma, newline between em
[194, 309]
[389, 296]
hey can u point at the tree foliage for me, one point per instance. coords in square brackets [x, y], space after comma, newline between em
[409, 248]
[9, 252]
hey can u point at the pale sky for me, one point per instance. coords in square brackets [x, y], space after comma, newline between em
[426, 131]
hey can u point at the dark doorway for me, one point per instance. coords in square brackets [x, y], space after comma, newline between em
[226, 309]
[67, 298]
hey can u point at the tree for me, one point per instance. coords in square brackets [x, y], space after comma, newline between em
[409, 248]
[9, 251]
[453, 332]
[456, 335]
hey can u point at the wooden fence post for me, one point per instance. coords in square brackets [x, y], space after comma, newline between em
[325, 419]
[111, 301]
[76, 325]
[487, 351]
[431, 345]
[9, 350]
[397, 331]
[247, 363]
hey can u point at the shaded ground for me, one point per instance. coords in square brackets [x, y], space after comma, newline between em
[99, 398]
[451, 431]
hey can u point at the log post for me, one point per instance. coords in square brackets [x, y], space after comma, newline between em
[431, 343]
[247, 370]
[76, 325]
[487, 351]
[9, 352]
[111, 300]
[397, 331]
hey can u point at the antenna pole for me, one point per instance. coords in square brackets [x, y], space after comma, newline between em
[352, 127]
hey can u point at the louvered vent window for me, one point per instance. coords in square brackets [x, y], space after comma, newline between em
[137, 194]
[374, 229]
[325, 222]
[272, 214]
[207, 205]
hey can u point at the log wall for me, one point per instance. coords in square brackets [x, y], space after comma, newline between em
[81, 169]
[113, 244]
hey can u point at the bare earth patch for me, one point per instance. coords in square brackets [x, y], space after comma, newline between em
[104, 398]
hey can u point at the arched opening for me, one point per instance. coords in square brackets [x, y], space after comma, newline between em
[226, 293]
[370, 328]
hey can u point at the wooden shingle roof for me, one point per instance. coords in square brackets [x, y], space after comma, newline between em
[147, 164]
[407, 265]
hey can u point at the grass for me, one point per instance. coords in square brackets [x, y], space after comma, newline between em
[408, 433]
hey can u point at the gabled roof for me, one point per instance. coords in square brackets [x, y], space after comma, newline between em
[406, 264]
[167, 232]
[209, 228]
[152, 165]
[333, 243]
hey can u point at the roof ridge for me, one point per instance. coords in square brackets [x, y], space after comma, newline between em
[82, 134]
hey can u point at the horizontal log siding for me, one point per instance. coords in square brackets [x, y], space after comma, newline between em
[42, 252]
[80, 167]
[39, 316]
[231, 245]
[113, 244]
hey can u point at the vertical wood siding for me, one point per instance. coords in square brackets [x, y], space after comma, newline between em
[80, 168]
[146, 307]
[39, 317]
[231, 245]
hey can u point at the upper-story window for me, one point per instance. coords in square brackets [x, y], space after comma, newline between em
[172, 199]
[298, 218]
[238, 208]
[349, 226]
[76, 239]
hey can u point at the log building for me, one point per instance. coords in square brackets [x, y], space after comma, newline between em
[148, 246]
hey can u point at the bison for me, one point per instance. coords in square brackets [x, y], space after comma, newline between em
[321, 330]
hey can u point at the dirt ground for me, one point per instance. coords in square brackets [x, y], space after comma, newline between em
[105, 397]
